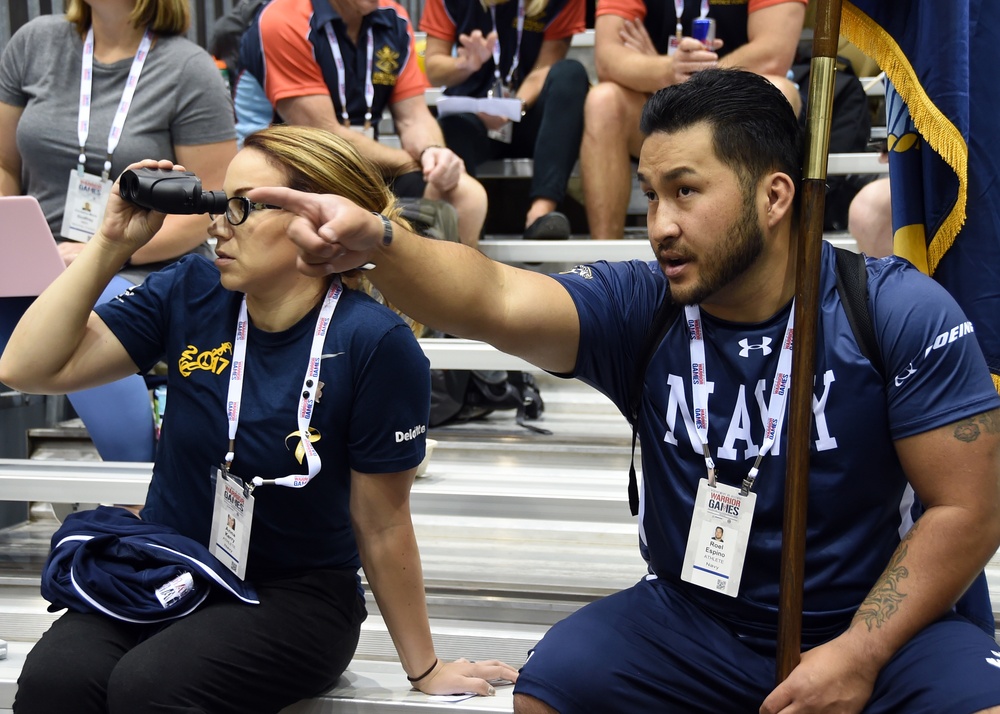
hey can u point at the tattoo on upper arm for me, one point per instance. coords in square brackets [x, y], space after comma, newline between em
[969, 429]
[884, 599]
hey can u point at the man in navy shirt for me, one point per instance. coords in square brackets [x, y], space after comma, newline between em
[720, 170]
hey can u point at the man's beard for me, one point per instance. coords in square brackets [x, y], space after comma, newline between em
[730, 258]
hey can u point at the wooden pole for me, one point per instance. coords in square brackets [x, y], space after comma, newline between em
[810, 240]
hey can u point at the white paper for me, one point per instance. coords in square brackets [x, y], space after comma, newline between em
[508, 108]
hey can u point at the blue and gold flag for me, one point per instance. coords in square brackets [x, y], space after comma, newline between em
[942, 116]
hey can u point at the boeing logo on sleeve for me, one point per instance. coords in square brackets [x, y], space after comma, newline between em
[764, 347]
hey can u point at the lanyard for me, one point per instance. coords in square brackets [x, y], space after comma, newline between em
[86, 96]
[517, 47]
[307, 397]
[703, 12]
[338, 58]
[699, 393]
[679, 12]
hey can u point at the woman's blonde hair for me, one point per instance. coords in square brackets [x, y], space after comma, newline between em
[318, 161]
[164, 17]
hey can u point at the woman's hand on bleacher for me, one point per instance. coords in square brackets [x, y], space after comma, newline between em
[463, 676]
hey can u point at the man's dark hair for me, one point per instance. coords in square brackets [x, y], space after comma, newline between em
[754, 128]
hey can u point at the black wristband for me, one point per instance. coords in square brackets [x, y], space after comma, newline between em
[411, 680]
[386, 228]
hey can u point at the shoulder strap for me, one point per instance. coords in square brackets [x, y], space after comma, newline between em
[665, 316]
[852, 285]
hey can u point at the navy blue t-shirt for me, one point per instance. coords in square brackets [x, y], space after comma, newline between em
[371, 415]
[859, 498]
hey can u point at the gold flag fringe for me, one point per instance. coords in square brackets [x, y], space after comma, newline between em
[935, 128]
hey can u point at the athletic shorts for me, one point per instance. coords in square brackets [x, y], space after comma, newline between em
[651, 649]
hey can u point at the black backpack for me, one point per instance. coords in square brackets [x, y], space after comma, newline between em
[850, 132]
[462, 395]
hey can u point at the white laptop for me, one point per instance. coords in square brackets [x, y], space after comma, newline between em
[29, 259]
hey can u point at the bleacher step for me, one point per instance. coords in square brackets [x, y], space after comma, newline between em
[368, 687]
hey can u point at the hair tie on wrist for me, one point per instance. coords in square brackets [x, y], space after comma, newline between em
[420, 158]
[411, 680]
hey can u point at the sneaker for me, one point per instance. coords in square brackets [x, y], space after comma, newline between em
[551, 226]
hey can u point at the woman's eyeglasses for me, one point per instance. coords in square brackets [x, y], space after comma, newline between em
[239, 208]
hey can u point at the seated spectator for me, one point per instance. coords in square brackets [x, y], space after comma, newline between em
[638, 49]
[513, 49]
[311, 450]
[293, 50]
[61, 123]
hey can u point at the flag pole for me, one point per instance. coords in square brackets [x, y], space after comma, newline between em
[810, 239]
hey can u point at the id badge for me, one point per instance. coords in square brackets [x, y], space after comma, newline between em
[86, 198]
[672, 44]
[717, 541]
[232, 516]
[368, 131]
[504, 134]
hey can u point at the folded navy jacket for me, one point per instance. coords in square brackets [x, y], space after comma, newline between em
[108, 560]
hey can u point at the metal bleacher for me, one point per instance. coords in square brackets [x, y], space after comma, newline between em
[516, 531]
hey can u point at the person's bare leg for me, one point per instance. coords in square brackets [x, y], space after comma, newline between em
[523, 704]
[610, 137]
[789, 89]
[470, 202]
[869, 219]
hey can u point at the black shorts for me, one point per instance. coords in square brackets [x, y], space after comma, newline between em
[408, 185]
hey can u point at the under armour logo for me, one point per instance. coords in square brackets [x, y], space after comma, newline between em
[903, 377]
[763, 346]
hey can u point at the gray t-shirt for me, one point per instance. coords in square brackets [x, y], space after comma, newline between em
[180, 100]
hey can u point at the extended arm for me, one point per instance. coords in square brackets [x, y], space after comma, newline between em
[449, 286]
[955, 471]
[61, 345]
[380, 511]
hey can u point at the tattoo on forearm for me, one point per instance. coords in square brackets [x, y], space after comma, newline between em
[969, 429]
[884, 599]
